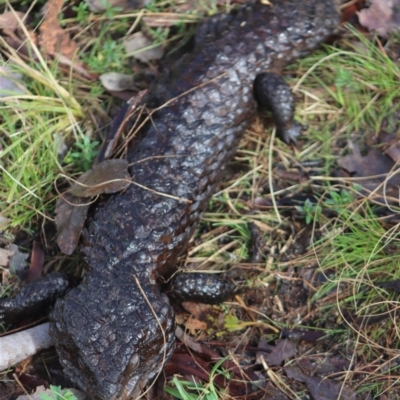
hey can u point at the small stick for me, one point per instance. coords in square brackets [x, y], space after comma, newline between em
[20, 345]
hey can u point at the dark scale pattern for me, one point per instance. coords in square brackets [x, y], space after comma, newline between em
[201, 287]
[34, 298]
[108, 338]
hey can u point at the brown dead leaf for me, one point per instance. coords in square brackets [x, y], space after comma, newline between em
[53, 38]
[203, 316]
[283, 350]
[192, 343]
[391, 146]
[180, 318]
[10, 20]
[240, 377]
[194, 365]
[319, 365]
[189, 364]
[11, 24]
[382, 16]
[198, 310]
[193, 324]
[321, 388]
[70, 217]
[394, 152]
[372, 164]
[109, 176]
[37, 262]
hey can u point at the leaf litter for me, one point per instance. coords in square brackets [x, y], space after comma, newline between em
[13, 258]
[114, 81]
[109, 176]
[106, 177]
[53, 39]
[375, 167]
[4, 257]
[382, 16]
[284, 296]
[143, 48]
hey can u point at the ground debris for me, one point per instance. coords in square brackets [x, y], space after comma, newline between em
[109, 176]
[13, 257]
[125, 5]
[70, 217]
[4, 257]
[42, 393]
[53, 38]
[323, 365]
[11, 20]
[116, 82]
[383, 16]
[283, 281]
[15, 33]
[283, 350]
[37, 262]
[375, 167]
[321, 388]
[142, 48]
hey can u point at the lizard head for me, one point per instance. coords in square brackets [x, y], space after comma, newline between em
[112, 338]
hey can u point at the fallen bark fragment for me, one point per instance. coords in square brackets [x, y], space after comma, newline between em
[20, 345]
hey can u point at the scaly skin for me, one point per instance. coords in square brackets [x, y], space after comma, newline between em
[108, 329]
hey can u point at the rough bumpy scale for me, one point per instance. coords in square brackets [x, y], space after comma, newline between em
[34, 298]
[115, 330]
[201, 287]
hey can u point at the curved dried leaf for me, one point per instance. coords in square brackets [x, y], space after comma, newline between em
[142, 48]
[382, 16]
[109, 176]
[11, 20]
[53, 38]
[70, 217]
[116, 82]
